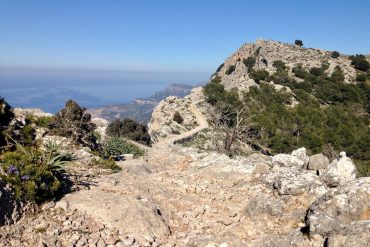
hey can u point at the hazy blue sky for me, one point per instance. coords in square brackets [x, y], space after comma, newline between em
[169, 35]
[103, 52]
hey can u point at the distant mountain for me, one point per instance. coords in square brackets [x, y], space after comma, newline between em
[140, 109]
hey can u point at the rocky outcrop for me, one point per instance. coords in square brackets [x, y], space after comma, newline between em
[267, 51]
[340, 171]
[298, 159]
[162, 124]
[318, 162]
[343, 215]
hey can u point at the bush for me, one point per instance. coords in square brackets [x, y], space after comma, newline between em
[130, 129]
[35, 175]
[177, 118]
[299, 72]
[337, 75]
[214, 91]
[219, 68]
[230, 70]
[325, 65]
[249, 62]
[259, 75]
[43, 121]
[361, 77]
[298, 42]
[316, 71]
[335, 54]
[115, 146]
[360, 62]
[279, 65]
[73, 122]
[6, 116]
[107, 164]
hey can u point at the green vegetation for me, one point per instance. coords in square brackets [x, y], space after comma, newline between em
[107, 164]
[335, 54]
[279, 65]
[230, 70]
[177, 118]
[44, 121]
[259, 75]
[73, 122]
[299, 72]
[359, 62]
[35, 175]
[130, 129]
[249, 62]
[331, 116]
[115, 146]
[298, 42]
[361, 77]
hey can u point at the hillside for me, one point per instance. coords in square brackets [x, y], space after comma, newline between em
[275, 97]
[139, 109]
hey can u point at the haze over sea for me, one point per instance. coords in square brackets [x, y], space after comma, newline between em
[49, 89]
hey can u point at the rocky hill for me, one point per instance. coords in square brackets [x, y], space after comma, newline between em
[212, 176]
[139, 109]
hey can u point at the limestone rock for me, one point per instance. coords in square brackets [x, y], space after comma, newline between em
[318, 162]
[298, 159]
[340, 171]
[344, 211]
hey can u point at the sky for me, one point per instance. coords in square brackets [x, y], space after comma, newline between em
[163, 40]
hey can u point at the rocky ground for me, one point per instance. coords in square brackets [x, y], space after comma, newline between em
[179, 196]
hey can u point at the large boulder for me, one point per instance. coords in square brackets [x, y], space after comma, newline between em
[343, 211]
[340, 171]
[298, 158]
[318, 162]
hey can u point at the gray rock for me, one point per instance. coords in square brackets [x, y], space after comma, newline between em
[342, 211]
[318, 162]
[340, 171]
[298, 159]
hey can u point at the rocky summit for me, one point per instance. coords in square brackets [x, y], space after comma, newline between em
[188, 189]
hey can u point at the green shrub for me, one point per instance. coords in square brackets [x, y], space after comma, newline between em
[220, 67]
[335, 54]
[6, 116]
[299, 72]
[230, 70]
[360, 62]
[44, 121]
[73, 122]
[130, 129]
[316, 71]
[337, 75]
[325, 65]
[249, 62]
[35, 175]
[259, 75]
[115, 146]
[107, 164]
[280, 65]
[361, 77]
[214, 91]
[177, 118]
[298, 42]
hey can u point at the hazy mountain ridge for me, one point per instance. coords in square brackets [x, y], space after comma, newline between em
[140, 109]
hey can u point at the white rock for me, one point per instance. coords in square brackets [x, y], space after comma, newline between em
[340, 171]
